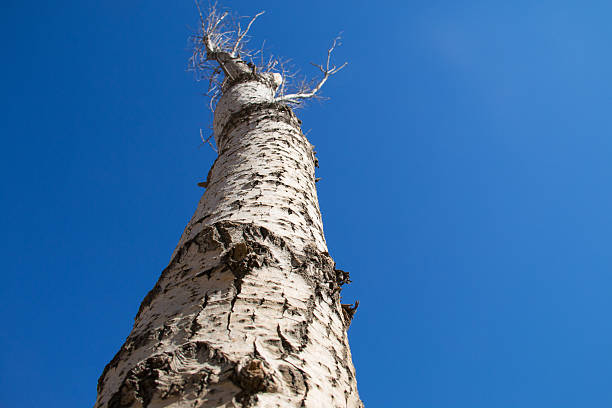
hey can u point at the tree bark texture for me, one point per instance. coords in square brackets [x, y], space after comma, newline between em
[247, 313]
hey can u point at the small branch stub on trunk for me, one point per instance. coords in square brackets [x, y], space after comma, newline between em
[349, 311]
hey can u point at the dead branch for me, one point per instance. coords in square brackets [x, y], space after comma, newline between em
[327, 72]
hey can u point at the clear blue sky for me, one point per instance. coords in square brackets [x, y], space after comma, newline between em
[466, 162]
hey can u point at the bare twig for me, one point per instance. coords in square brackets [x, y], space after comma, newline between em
[241, 35]
[207, 140]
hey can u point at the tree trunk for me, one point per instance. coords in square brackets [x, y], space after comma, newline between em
[247, 313]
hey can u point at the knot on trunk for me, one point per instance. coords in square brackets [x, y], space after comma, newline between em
[254, 376]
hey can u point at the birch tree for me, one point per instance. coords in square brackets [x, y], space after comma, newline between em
[248, 311]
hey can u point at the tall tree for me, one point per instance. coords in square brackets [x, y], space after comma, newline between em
[248, 311]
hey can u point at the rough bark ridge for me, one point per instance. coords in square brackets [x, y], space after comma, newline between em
[247, 313]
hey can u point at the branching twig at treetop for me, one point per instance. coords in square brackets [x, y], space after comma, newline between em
[241, 35]
[327, 72]
[220, 49]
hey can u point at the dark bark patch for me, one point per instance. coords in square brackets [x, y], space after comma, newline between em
[156, 378]
[287, 347]
[254, 377]
[239, 252]
[293, 377]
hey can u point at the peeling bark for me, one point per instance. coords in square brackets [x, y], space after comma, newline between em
[248, 312]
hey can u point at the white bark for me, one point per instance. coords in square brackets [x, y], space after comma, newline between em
[247, 313]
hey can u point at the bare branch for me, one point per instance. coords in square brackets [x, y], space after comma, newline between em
[197, 3]
[327, 71]
[241, 35]
[211, 37]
